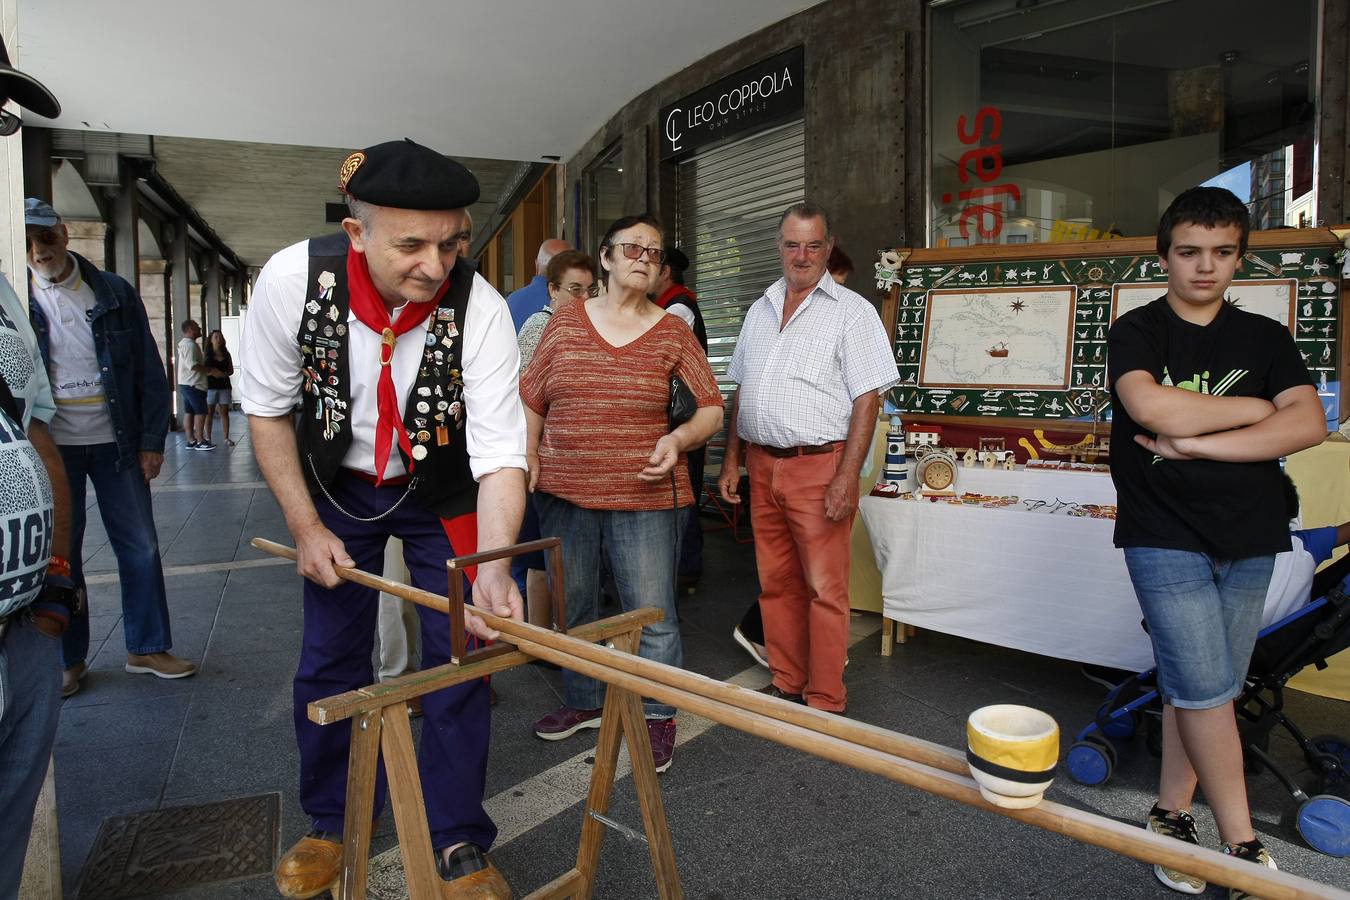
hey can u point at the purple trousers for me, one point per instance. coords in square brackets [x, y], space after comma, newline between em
[339, 637]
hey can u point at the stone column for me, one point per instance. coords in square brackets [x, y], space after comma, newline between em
[211, 291]
[125, 225]
[179, 293]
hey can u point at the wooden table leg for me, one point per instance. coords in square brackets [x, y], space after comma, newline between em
[645, 780]
[363, 762]
[602, 777]
[405, 792]
[887, 630]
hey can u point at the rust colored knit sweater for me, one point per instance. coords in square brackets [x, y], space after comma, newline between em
[604, 409]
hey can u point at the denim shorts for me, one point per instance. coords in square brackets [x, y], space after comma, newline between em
[192, 399]
[218, 397]
[1203, 615]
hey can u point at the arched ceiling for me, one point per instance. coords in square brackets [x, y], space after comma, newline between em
[506, 79]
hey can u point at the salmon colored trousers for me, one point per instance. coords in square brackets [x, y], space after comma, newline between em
[803, 562]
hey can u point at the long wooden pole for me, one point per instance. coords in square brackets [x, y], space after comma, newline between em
[926, 752]
[1088, 827]
[776, 720]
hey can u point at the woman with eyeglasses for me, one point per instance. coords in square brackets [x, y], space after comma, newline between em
[608, 474]
[570, 276]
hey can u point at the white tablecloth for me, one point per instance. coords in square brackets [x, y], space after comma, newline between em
[1047, 583]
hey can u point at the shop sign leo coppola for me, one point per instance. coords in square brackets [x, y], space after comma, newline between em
[755, 96]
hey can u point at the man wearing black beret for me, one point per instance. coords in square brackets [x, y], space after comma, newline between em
[405, 363]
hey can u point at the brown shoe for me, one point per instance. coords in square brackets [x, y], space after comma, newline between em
[71, 678]
[774, 690]
[162, 664]
[469, 874]
[311, 867]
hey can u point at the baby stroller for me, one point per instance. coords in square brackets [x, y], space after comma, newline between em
[1307, 636]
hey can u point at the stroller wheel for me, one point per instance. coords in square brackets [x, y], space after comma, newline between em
[1324, 823]
[1091, 762]
[1329, 767]
[1337, 746]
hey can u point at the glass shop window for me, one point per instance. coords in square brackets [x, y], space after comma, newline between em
[1082, 119]
[507, 259]
[603, 181]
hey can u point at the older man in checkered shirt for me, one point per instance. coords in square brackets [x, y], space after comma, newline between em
[810, 360]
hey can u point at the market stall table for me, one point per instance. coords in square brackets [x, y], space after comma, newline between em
[1046, 582]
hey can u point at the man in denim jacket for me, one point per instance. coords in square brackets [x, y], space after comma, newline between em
[112, 412]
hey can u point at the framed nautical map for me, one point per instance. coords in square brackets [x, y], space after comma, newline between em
[1274, 299]
[1019, 331]
[1001, 337]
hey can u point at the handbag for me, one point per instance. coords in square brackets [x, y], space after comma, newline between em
[683, 404]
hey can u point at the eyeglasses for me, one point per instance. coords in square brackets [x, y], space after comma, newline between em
[635, 251]
[579, 290]
[47, 237]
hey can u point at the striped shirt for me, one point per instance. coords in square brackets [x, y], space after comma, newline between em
[605, 407]
[798, 384]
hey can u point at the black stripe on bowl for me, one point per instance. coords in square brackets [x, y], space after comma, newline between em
[1007, 774]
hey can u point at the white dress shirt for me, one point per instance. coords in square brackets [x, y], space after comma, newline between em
[798, 384]
[271, 378]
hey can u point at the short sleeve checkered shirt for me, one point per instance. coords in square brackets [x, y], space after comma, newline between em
[797, 385]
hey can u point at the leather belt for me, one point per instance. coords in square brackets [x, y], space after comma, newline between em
[368, 478]
[811, 450]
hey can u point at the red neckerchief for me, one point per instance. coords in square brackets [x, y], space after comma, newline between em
[670, 293]
[371, 312]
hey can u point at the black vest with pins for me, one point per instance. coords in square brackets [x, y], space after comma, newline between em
[433, 411]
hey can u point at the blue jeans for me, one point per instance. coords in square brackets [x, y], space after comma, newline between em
[124, 503]
[30, 697]
[1203, 615]
[641, 546]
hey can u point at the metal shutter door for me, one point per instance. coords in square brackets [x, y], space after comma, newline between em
[727, 208]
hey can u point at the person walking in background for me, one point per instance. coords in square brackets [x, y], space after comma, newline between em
[219, 367]
[810, 360]
[606, 468]
[191, 371]
[112, 413]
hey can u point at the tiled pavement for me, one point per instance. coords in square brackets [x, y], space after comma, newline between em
[749, 819]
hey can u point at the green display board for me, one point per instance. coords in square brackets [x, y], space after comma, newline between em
[1024, 336]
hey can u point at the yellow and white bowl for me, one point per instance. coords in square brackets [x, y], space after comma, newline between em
[1012, 752]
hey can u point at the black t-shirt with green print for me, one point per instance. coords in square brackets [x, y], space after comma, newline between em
[1230, 510]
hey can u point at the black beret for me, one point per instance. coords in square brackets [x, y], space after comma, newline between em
[676, 259]
[406, 175]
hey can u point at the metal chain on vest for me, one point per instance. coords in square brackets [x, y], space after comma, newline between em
[338, 506]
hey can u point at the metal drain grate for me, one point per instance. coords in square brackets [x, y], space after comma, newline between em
[182, 847]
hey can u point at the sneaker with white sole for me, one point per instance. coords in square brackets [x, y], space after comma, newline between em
[661, 732]
[1179, 825]
[749, 646]
[1252, 851]
[566, 721]
[161, 665]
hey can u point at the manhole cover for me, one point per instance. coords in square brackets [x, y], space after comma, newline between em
[182, 847]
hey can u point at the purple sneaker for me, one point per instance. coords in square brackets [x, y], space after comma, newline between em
[662, 734]
[566, 721]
